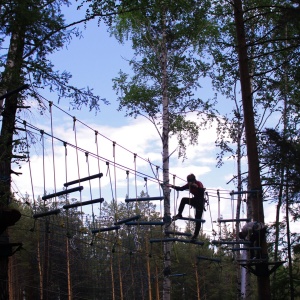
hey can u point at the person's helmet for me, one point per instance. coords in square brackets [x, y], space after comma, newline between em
[191, 178]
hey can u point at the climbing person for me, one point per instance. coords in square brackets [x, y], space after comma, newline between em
[197, 201]
[254, 232]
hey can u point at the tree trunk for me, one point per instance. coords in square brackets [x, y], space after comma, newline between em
[156, 283]
[112, 277]
[240, 271]
[148, 271]
[197, 282]
[165, 163]
[290, 262]
[252, 152]
[46, 272]
[11, 79]
[120, 277]
[40, 268]
[68, 270]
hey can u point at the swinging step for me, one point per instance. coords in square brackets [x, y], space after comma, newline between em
[190, 241]
[177, 275]
[106, 229]
[230, 242]
[178, 233]
[232, 220]
[67, 206]
[127, 220]
[46, 213]
[209, 258]
[163, 240]
[191, 219]
[99, 175]
[46, 197]
[245, 192]
[144, 223]
[175, 240]
[144, 199]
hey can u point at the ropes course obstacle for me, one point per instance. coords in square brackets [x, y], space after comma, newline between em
[83, 203]
[166, 240]
[99, 175]
[61, 193]
[135, 220]
[123, 221]
[144, 199]
[169, 232]
[47, 213]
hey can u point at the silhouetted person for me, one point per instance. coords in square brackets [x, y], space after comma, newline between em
[254, 232]
[197, 201]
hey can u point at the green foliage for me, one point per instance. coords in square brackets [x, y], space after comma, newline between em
[167, 38]
[280, 151]
[41, 27]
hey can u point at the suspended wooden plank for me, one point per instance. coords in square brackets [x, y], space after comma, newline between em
[144, 199]
[230, 242]
[127, 220]
[191, 219]
[144, 223]
[245, 192]
[106, 229]
[163, 240]
[99, 175]
[177, 275]
[178, 233]
[233, 220]
[46, 213]
[79, 188]
[209, 258]
[190, 241]
[175, 240]
[83, 203]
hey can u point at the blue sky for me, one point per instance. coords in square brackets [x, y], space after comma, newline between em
[93, 61]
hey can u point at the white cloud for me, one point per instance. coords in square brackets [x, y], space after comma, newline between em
[137, 136]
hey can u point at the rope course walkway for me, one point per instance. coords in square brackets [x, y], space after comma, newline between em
[121, 224]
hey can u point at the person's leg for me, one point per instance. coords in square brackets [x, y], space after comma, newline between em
[253, 239]
[183, 202]
[198, 204]
[259, 240]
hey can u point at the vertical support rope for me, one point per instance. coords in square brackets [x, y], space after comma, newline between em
[127, 178]
[219, 212]
[112, 191]
[157, 176]
[29, 163]
[52, 144]
[44, 173]
[175, 199]
[90, 186]
[115, 178]
[232, 210]
[77, 160]
[147, 195]
[99, 170]
[135, 182]
[66, 180]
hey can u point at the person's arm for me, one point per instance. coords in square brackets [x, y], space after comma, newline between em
[180, 188]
